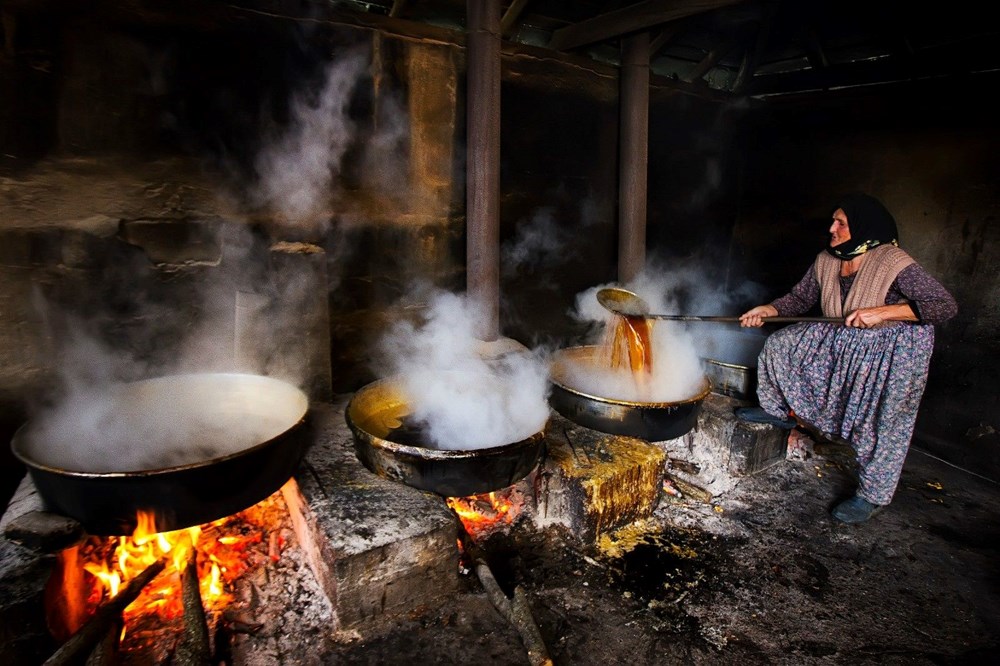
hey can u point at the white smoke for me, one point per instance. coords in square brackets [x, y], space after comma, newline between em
[299, 167]
[538, 241]
[541, 241]
[686, 287]
[163, 423]
[464, 400]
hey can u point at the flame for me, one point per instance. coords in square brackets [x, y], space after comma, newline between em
[113, 561]
[481, 512]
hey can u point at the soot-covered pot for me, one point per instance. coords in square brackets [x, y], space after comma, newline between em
[377, 416]
[652, 421]
[188, 449]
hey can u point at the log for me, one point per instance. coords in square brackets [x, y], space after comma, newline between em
[80, 644]
[516, 611]
[194, 648]
[106, 652]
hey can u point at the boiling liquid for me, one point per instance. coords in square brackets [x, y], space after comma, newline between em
[630, 348]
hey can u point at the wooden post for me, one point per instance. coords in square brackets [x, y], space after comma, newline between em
[633, 156]
[482, 193]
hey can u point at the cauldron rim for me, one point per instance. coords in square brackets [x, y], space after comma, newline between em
[446, 472]
[421, 451]
[589, 350]
[20, 436]
[108, 503]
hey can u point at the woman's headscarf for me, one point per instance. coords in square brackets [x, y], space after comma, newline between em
[870, 223]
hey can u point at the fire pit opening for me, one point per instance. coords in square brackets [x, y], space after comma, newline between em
[153, 596]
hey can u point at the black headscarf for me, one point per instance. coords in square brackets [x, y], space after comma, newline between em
[870, 223]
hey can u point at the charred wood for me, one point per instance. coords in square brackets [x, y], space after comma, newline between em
[106, 651]
[83, 641]
[516, 611]
[194, 648]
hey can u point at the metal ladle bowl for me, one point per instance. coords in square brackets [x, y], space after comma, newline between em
[622, 302]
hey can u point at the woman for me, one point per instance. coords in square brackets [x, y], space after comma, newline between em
[863, 380]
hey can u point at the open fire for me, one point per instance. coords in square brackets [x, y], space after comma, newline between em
[482, 513]
[95, 572]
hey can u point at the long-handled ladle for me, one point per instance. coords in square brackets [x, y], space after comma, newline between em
[629, 304]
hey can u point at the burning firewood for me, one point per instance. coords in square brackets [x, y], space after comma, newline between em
[106, 652]
[516, 610]
[83, 641]
[194, 648]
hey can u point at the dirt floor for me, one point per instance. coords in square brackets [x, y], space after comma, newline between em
[762, 576]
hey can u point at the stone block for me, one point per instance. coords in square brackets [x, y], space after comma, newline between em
[26, 522]
[376, 546]
[86, 243]
[593, 482]
[23, 575]
[720, 450]
[29, 247]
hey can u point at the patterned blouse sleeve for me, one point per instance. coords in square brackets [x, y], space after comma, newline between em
[801, 298]
[928, 297]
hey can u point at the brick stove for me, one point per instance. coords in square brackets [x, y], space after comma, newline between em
[363, 549]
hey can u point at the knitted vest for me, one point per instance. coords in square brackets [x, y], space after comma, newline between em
[878, 270]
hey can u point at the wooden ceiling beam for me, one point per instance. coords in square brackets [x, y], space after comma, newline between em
[756, 51]
[886, 71]
[710, 60]
[511, 16]
[630, 19]
[397, 7]
[657, 43]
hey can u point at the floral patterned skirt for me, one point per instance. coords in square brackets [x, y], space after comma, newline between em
[862, 385]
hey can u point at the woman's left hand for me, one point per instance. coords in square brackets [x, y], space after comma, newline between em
[864, 318]
[871, 317]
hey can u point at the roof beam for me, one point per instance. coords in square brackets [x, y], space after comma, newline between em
[629, 19]
[510, 17]
[661, 40]
[710, 60]
[753, 54]
[850, 75]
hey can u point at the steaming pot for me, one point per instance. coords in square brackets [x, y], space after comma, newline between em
[652, 421]
[375, 408]
[195, 492]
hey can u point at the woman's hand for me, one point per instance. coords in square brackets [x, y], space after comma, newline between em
[872, 317]
[755, 317]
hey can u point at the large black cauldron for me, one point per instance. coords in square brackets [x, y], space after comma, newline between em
[376, 412]
[201, 479]
[652, 421]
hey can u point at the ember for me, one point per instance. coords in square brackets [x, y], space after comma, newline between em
[480, 513]
[225, 550]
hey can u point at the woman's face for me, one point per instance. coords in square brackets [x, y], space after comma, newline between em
[839, 231]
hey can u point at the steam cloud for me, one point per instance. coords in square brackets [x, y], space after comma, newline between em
[242, 315]
[463, 400]
[683, 288]
[299, 167]
[542, 242]
[164, 423]
[92, 423]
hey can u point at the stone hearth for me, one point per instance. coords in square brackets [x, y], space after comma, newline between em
[371, 549]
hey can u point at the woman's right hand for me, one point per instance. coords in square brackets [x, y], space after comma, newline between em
[755, 318]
